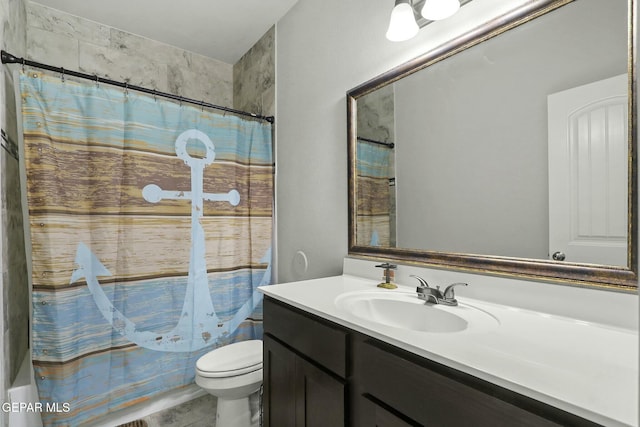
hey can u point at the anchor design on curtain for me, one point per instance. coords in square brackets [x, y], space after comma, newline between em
[199, 325]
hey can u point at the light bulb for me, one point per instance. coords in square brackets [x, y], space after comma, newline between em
[402, 25]
[435, 10]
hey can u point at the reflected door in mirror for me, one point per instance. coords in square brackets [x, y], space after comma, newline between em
[588, 158]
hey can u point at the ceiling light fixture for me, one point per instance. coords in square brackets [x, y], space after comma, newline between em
[402, 25]
[406, 21]
[435, 10]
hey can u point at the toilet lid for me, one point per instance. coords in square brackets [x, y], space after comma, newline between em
[233, 359]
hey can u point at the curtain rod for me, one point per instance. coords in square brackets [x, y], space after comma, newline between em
[373, 141]
[8, 58]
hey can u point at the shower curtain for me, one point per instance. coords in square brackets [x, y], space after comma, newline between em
[375, 196]
[150, 231]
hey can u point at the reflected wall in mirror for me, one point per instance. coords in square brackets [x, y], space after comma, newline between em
[506, 152]
[376, 168]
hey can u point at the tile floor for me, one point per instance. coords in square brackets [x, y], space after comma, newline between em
[200, 412]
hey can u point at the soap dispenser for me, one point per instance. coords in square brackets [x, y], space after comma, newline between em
[388, 276]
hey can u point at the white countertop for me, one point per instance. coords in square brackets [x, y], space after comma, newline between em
[585, 368]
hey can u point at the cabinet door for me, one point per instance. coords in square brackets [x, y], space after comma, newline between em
[320, 397]
[279, 398]
[297, 393]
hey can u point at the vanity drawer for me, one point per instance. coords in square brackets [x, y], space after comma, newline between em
[434, 395]
[312, 337]
[377, 415]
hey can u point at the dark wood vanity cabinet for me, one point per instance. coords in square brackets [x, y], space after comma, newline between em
[317, 373]
[304, 369]
[297, 393]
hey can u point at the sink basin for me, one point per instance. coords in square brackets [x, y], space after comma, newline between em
[405, 311]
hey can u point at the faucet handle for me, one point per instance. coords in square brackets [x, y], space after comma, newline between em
[423, 283]
[388, 275]
[387, 265]
[449, 293]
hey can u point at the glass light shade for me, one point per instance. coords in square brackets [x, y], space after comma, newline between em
[435, 10]
[402, 25]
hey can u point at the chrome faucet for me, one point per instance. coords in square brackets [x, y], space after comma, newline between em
[435, 295]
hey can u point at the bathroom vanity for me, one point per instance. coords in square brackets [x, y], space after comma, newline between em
[331, 363]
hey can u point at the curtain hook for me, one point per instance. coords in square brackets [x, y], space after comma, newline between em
[62, 74]
[23, 62]
[155, 99]
[97, 81]
[202, 105]
[126, 89]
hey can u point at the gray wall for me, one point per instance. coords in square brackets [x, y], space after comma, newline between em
[13, 282]
[323, 50]
[472, 131]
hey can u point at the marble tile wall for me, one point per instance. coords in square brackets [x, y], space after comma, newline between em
[14, 297]
[376, 116]
[68, 41]
[254, 79]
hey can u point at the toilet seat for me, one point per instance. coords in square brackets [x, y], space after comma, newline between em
[231, 360]
[228, 374]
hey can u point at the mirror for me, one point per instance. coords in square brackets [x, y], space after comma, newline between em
[510, 150]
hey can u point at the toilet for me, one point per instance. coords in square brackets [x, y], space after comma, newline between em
[232, 373]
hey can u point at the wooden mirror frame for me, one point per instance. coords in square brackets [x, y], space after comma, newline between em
[603, 276]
